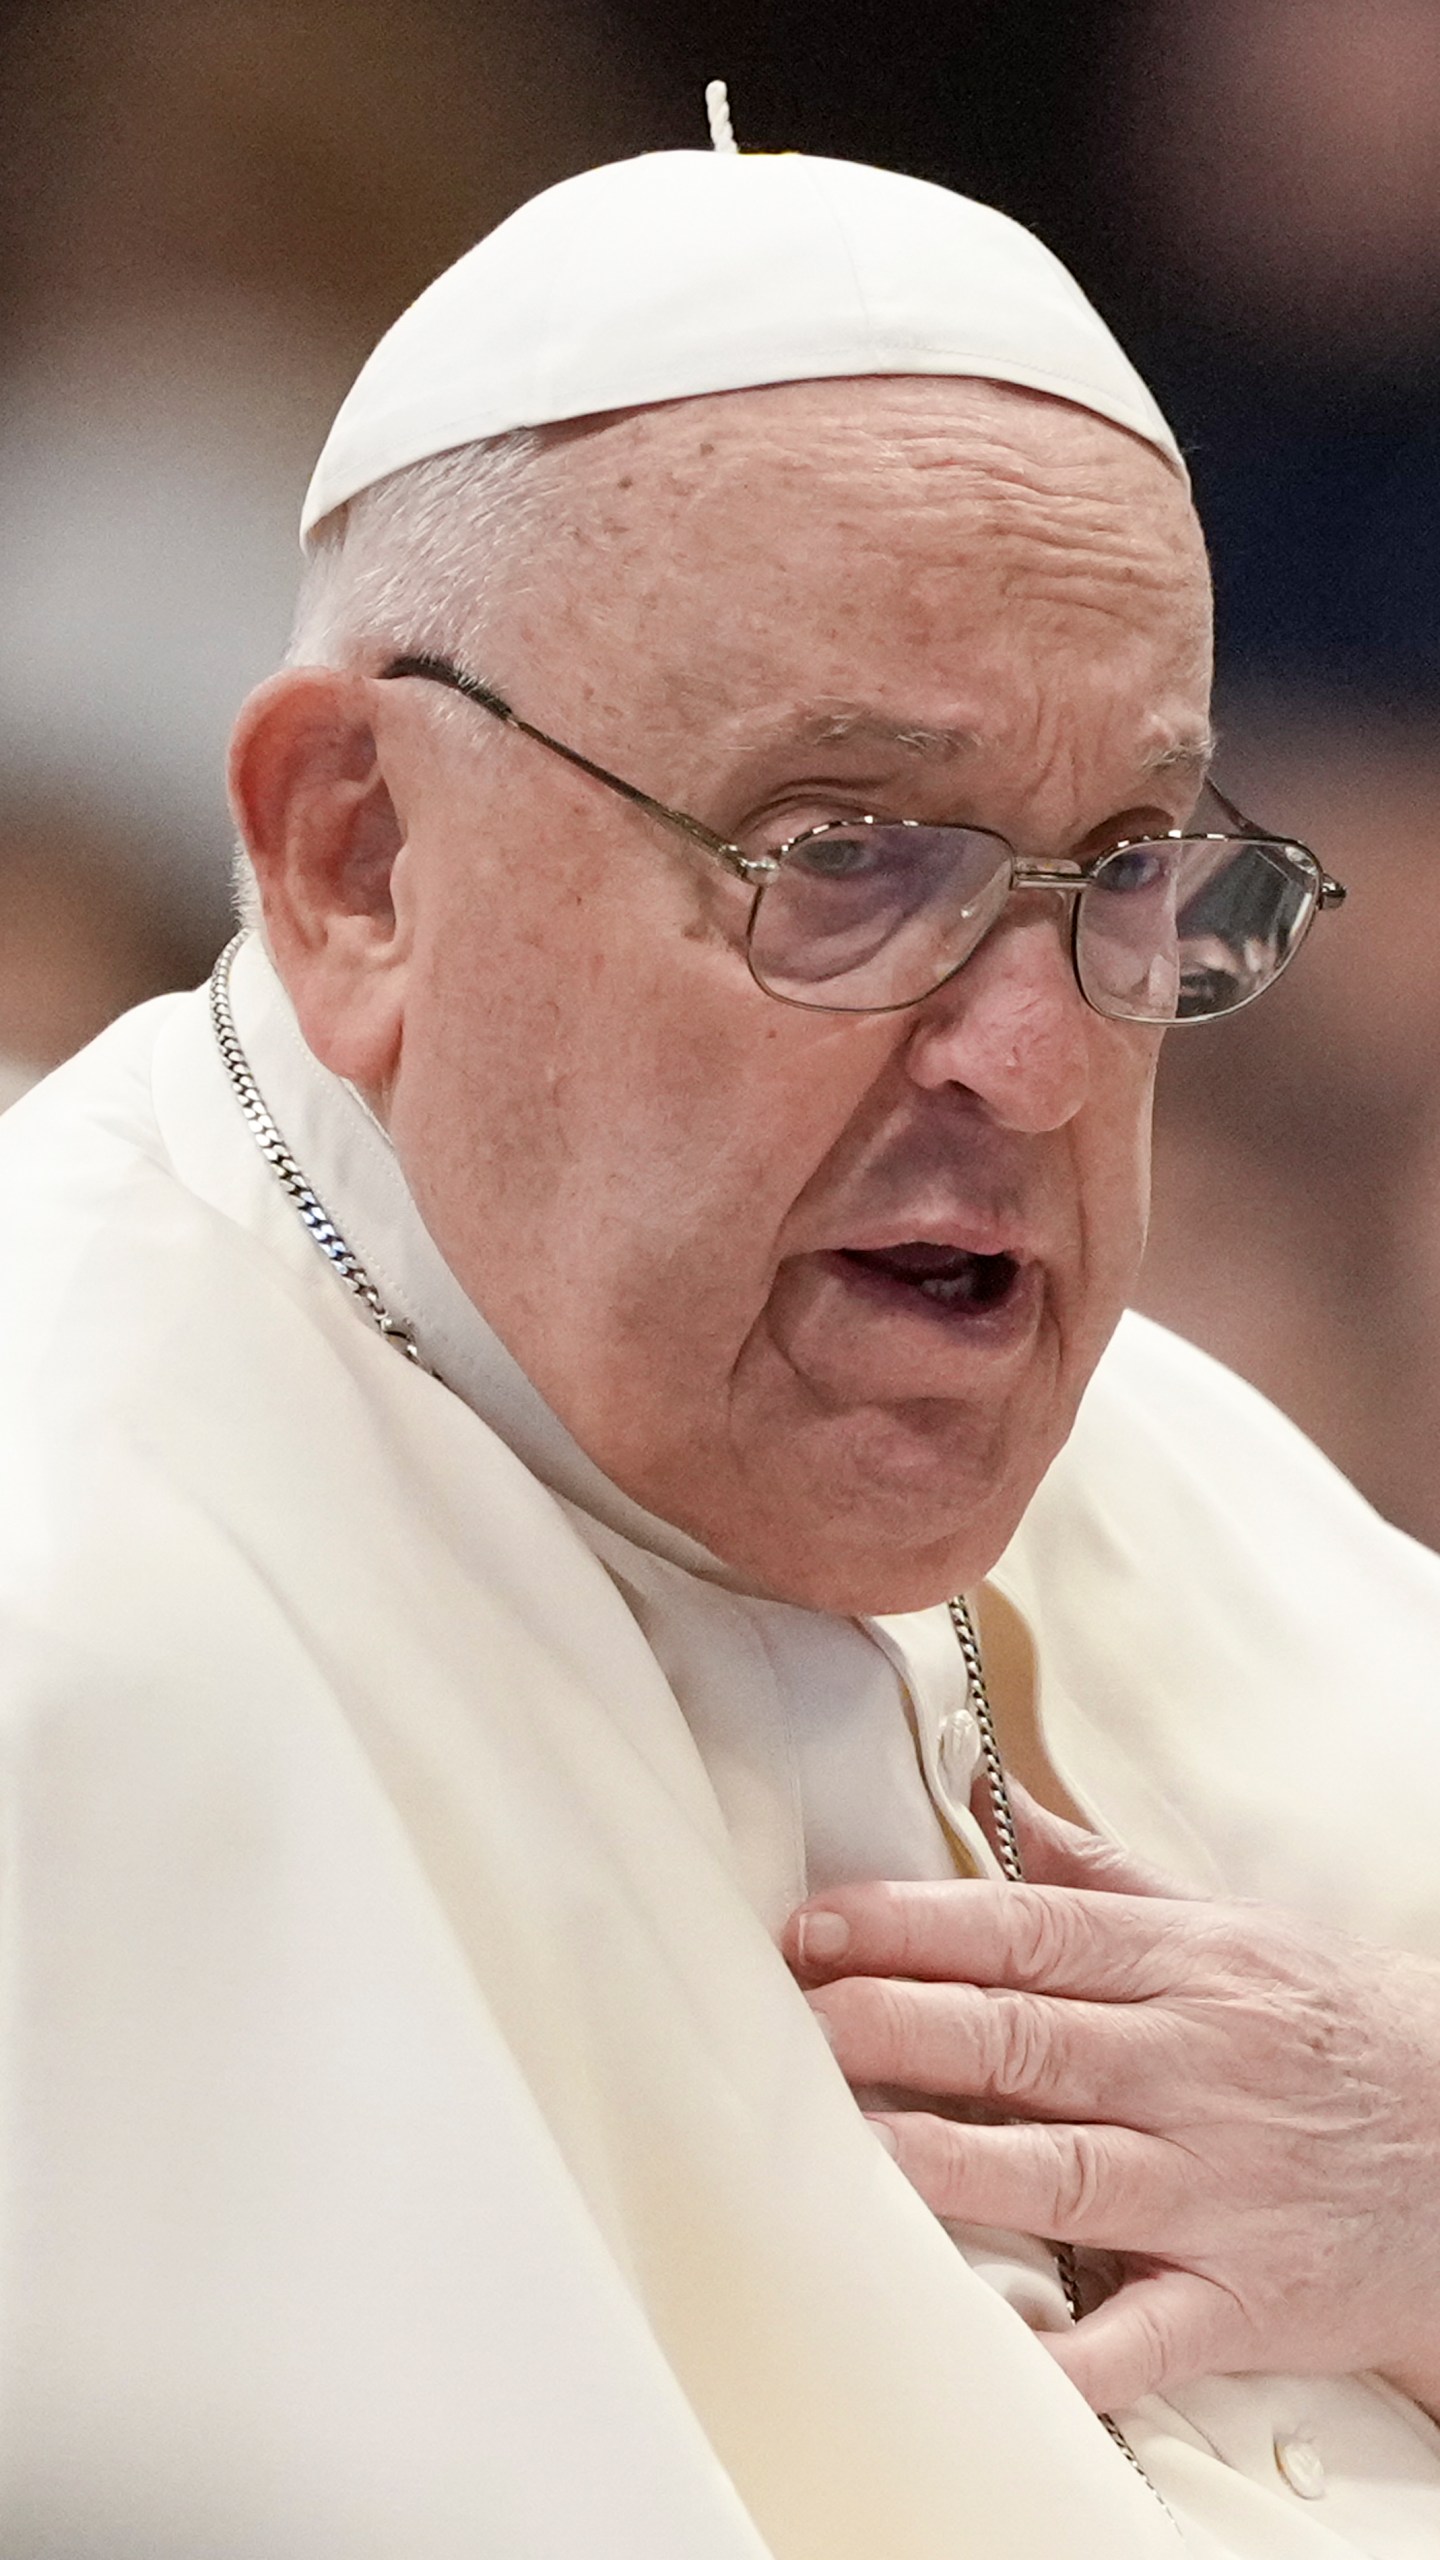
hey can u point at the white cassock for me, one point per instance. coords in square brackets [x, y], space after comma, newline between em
[414, 2147]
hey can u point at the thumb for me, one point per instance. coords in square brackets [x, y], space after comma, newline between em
[1058, 1852]
[1158, 2331]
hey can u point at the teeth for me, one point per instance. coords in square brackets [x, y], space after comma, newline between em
[949, 1292]
[983, 1283]
[945, 1275]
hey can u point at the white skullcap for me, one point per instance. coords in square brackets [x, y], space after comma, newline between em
[692, 271]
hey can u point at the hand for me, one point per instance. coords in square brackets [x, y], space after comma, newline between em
[1243, 2105]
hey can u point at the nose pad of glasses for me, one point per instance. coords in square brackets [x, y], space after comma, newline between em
[944, 931]
[960, 924]
[983, 907]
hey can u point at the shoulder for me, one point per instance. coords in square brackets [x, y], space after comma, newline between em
[1154, 1378]
[1168, 1437]
[1241, 1658]
[218, 1483]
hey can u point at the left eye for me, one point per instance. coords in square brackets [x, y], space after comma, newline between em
[833, 857]
[1139, 867]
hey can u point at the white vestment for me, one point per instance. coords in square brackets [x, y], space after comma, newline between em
[413, 2143]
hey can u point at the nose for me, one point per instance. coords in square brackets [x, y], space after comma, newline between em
[1012, 1026]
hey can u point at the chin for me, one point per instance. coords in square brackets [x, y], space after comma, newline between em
[905, 1523]
[875, 1581]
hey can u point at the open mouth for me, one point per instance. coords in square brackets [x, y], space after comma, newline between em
[945, 1275]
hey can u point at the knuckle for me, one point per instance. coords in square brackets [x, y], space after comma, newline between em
[1151, 2345]
[897, 2030]
[1075, 2174]
[1251, 1947]
[1017, 2046]
[1048, 1930]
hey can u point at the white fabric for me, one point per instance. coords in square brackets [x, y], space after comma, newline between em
[810, 1748]
[413, 2143]
[689, 271]
[1238, 1655]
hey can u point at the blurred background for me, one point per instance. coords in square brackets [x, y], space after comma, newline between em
[210, 208]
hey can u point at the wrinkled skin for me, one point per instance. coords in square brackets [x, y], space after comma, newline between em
[640, 1165]
[1239, 2103]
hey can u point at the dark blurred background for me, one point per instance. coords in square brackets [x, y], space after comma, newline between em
[210, 208]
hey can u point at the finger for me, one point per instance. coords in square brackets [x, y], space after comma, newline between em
[1027, 2055]
[1098, 1946]
[1160, 2330]
[1058, 1852]
[1099, 2186]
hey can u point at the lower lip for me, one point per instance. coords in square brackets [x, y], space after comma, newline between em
[997, 1327]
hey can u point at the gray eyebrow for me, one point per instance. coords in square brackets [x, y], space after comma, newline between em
[1185, 755]
[844, 726]
[872, 729]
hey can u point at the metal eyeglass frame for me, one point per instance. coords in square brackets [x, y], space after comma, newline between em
[1069, 879]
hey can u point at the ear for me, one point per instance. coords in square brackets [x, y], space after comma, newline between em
[312, 801]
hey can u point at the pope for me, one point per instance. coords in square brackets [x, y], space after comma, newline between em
[696, 1859]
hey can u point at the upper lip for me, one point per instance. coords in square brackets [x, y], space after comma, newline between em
[968, 1234]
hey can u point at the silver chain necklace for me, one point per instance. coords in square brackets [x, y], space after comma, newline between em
[1007, 1842]
[321, 1226]
[1012, 1865]
[287, 1172]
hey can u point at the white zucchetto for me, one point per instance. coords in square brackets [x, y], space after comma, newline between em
[686, 272]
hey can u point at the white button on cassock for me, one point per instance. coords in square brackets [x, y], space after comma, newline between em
[956, 1758]
[1299, 2463]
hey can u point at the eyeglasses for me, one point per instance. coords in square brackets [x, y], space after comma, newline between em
[869, 915]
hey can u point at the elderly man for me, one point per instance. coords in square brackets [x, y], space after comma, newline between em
[728, 842]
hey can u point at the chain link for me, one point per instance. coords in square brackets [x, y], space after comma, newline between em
[277, 1155]
[1012, 1864]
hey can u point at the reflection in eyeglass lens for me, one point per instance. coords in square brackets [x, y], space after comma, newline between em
[1127, 947]
[1175, 932]
[877, 914]
[867, 914]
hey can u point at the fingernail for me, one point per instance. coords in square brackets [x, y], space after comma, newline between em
[822, 1936]
[885, 2135]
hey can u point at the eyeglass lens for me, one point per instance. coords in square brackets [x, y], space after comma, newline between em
[862, 918]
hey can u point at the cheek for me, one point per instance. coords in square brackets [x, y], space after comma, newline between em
[693, 1153]
[604, 1119]
[1113, 1156]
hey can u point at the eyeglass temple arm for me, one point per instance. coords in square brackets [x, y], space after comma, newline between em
[440, 671]
[1332, 894]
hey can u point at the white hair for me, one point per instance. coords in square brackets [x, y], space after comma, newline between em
[412, 563]
[413, 566]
